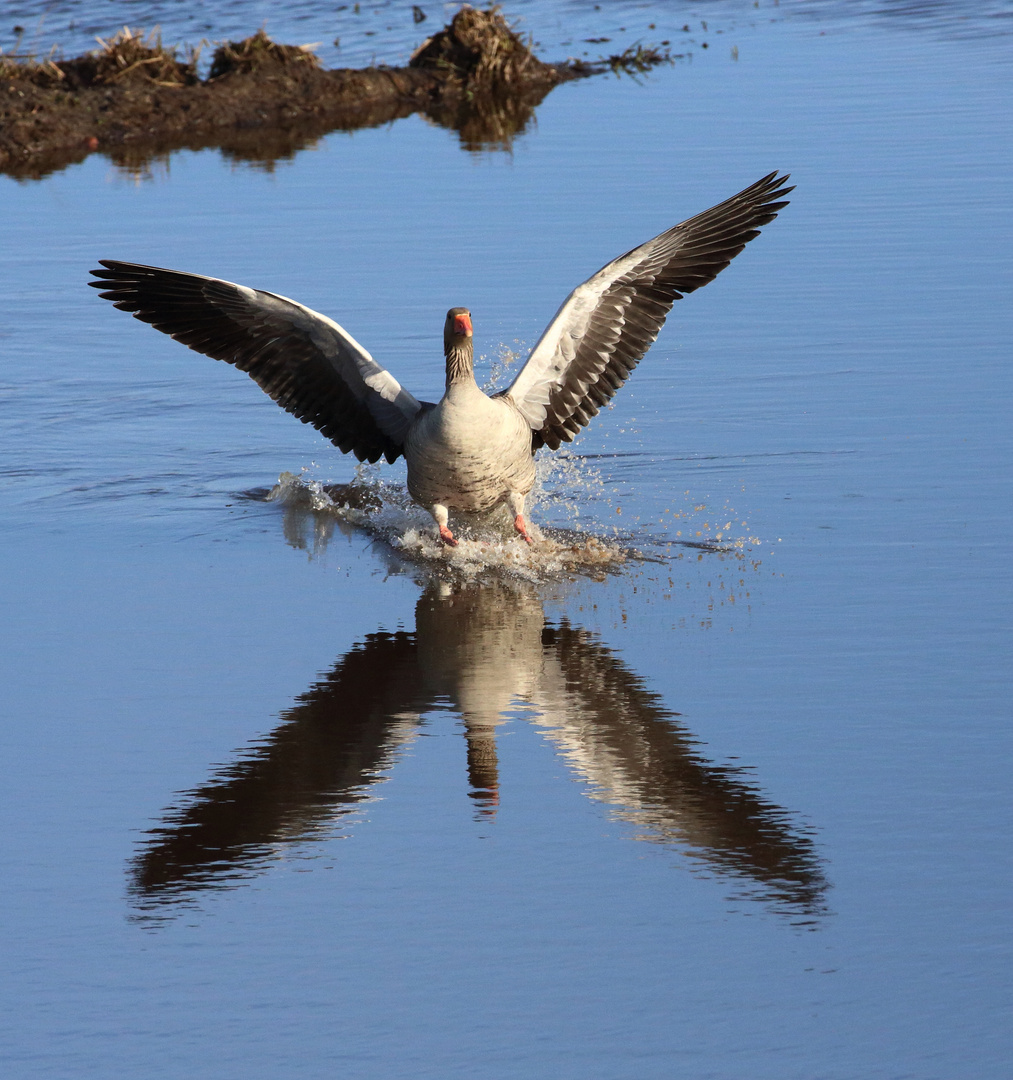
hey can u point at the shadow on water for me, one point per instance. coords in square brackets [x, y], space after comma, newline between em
[490, 124]
[487, 124]
[484, 648]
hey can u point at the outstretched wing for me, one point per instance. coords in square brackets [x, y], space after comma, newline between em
[308, 364]
[606, 325]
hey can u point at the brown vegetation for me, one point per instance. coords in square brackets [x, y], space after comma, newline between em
[134, 99]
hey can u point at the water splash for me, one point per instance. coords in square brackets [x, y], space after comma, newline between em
[504, 365]
[488, 544]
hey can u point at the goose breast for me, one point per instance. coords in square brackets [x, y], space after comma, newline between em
[469, 452]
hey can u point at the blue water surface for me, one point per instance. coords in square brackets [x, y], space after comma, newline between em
[281, 801]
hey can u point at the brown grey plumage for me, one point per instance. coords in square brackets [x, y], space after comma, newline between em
[470, 451]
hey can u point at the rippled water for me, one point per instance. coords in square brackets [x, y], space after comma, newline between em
[352, 35]
[714, 782]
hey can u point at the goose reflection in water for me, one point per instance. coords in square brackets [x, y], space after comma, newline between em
[483, 648]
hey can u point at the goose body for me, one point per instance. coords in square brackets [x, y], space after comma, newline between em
[470, 451]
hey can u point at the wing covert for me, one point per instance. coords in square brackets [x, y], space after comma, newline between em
[607, 324]
[304, 361]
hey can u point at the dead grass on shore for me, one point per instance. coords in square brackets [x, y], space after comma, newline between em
[253, 53]
[481, 53]
[128, 58]
[133, 58]
[129, 55]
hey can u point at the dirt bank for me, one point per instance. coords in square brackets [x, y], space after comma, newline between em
[135, 100]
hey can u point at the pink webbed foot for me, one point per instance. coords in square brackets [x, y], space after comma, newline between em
[447, 536]
[522, 529]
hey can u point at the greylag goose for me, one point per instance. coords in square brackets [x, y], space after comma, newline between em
[470, 452]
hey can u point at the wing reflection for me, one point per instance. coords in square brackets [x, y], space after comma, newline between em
[638, 758]
[483, 649]
[337, 740]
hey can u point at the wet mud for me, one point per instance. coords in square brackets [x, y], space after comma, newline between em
[260, 101]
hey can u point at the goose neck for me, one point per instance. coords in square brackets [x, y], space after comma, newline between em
[460, 364]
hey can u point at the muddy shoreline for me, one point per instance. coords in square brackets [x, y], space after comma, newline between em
[261, 101]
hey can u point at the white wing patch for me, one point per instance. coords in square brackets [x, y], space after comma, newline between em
[372, 375]
[557, 347]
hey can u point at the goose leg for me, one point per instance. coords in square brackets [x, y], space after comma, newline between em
[516, 501]
[441, 516]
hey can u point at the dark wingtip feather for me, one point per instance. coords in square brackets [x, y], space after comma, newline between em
[638, 300]
[215, 318]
